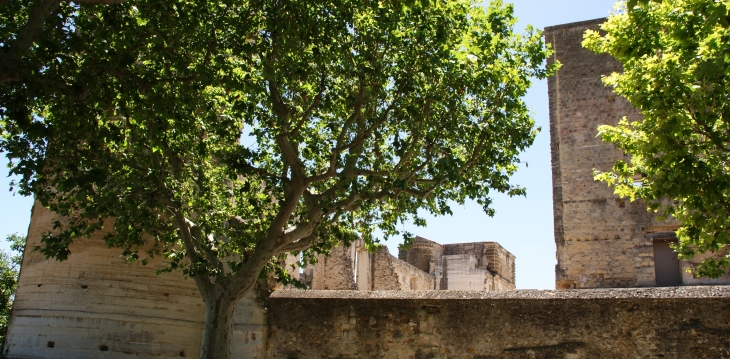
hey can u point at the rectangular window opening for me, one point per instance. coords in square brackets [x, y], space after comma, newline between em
[638, 179]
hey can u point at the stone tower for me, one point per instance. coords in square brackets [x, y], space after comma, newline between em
[422, 254]
[601, 240]
[96, 305]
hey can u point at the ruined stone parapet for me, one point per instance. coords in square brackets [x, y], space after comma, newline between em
[464, 266]
[354, 267]
[391, 273]
[335, 271]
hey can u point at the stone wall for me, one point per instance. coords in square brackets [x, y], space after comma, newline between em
[462, 266]
[689, 322]
[689, 279]
[390, 273]
[501, 262]
[336, 271]
[601, 240]
[355, 268]
[95, 305]
[501, 284]
[461, 271]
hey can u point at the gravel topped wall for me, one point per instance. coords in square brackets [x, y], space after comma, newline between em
[697, 292]
[684, 322]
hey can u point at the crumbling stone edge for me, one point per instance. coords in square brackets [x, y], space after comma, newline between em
[611, 293]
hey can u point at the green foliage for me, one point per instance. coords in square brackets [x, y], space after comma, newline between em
[221, 134]
[9, 270]
[676, 60]
[358, 113]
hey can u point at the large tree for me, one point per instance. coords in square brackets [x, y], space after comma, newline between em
[676, 72]
[225, 134]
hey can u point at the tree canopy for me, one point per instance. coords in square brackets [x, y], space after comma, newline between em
[224, 134]
[676, 72]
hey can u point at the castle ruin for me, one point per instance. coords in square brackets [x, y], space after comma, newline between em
[426, 265]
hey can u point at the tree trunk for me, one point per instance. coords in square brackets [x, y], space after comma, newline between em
[218, 327]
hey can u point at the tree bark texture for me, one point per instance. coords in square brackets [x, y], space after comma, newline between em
[218, 327]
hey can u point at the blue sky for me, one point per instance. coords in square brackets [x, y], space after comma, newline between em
[524, 226]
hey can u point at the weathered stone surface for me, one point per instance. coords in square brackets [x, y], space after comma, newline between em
[423, 254]
[601, 240]
[391, 273]
[686, 322]
[478, 259]
[354, 267]
[335, 271]
[95, 305]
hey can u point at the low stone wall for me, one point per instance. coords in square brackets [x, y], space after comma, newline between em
[684, 322]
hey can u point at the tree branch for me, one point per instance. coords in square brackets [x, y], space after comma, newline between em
[198, 234]
[291, 157]
[245, 168]
[367, 132]
[303, 229]
[28, 34]
[354, 117]
[204, 286]
[315, 103]
[711, 134]
[299, 245]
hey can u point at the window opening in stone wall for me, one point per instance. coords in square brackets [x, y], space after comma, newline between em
[638, 179]
[666, 264]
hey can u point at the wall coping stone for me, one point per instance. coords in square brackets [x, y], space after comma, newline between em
[684, 292]
[574, 25]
